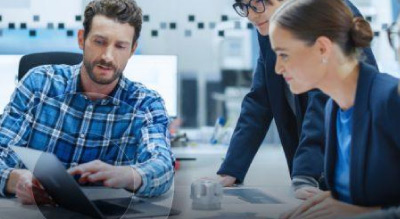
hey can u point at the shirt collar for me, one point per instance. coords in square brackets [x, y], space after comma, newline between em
[74, 86]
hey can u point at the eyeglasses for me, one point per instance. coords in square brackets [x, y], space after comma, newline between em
[394, 36]
[258, 6]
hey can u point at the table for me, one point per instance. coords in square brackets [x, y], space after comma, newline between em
[268, 173]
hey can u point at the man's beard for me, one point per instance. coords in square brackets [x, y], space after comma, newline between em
[89, 69]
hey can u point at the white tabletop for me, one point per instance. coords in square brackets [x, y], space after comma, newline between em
[268, 173]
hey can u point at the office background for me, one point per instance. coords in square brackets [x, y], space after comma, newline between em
[215, 49]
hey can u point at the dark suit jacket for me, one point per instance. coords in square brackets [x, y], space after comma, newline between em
[375, 148]
[301, 134]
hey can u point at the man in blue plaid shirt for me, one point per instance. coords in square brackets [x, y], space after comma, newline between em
[102, 127]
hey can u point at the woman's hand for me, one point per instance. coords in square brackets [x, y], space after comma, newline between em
[324, 205]
[307, 192]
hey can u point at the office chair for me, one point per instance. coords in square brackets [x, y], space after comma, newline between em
[47, 58]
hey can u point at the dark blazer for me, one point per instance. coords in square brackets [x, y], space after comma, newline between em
[301, 134]
[375, 148]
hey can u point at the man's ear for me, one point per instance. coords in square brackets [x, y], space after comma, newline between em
[134, 47]
[81, 39]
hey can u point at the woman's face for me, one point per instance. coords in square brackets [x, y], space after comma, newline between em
[302, 66]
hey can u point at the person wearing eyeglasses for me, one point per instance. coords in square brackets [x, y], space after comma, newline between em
[299, 118]
[362, 157]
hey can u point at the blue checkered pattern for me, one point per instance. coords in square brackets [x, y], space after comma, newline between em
[48, 112]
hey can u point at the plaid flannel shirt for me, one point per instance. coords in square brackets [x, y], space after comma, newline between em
[48, 112]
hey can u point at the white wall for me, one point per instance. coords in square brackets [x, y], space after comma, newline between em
[199, 53]
[199, 56]
[54, 11]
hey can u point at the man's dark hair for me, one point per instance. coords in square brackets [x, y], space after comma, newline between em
[122, 11]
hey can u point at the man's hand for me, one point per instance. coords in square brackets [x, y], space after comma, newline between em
[27, 189]
[307, 192]
[111, 176]
[324, 206]
[226, 181]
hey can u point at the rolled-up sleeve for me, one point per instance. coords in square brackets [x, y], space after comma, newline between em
[15, 126]
[154, 156]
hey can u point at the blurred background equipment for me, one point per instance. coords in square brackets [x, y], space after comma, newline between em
[202, 53]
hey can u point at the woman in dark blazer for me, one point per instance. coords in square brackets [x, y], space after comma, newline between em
[317, 43]
[299, 118]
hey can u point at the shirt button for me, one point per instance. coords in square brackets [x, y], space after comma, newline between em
[82, 135]
[90, 107]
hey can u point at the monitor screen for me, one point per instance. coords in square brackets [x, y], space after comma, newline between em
[9, 71]
[158, 73]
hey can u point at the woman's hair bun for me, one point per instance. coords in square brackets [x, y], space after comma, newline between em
[361, 33]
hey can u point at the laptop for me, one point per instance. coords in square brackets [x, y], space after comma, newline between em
[67, 193]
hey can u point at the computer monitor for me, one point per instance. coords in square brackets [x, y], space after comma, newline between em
[155, 72]
[159, 73]
[9, 71]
